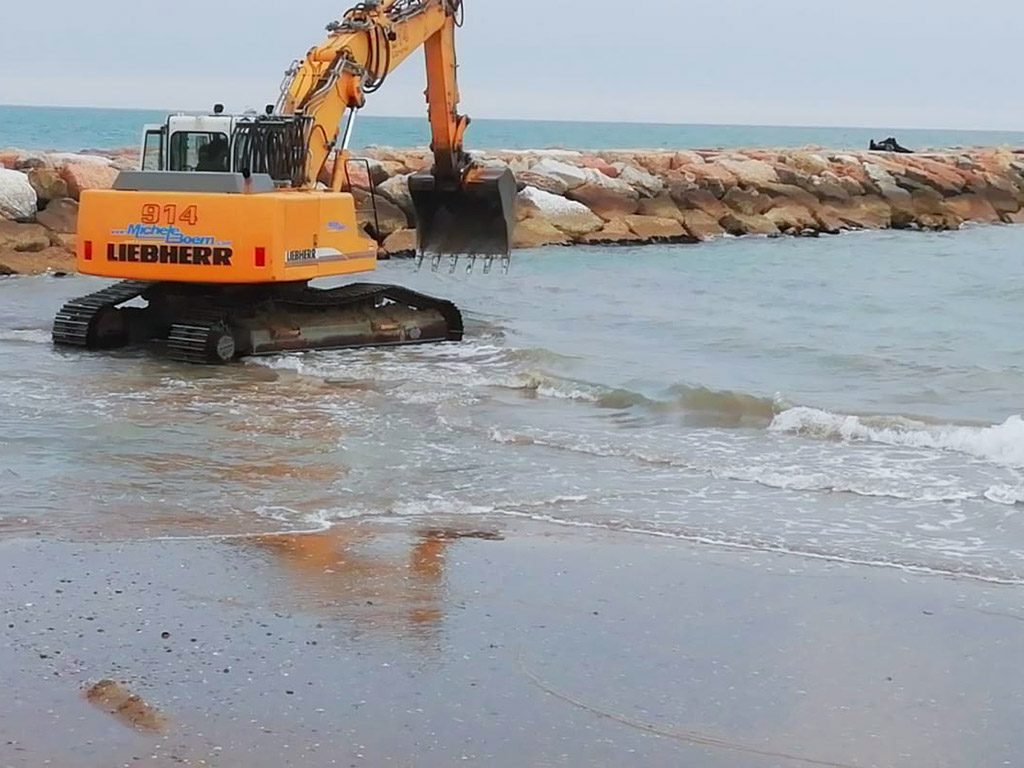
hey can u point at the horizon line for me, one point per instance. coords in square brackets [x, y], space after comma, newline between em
[659, 123]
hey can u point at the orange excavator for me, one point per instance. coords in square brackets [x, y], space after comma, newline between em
[218, 235]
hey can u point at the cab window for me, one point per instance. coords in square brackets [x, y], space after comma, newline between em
[153, 151]
[200, 151]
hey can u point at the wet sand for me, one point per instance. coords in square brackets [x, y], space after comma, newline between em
[530, 645]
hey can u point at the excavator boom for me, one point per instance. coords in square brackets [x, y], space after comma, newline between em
[460, 208]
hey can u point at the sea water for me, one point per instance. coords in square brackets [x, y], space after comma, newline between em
[72, 128]
[855, 398]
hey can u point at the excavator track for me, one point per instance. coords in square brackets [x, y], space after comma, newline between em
[76, 322]
[358, 292]
[213, 324]
[203, 337]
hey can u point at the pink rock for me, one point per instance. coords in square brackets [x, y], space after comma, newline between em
[82, 176]
[599, 164]
[973, 208]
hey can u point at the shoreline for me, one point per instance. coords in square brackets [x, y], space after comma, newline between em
[569, 197]
[503, 643]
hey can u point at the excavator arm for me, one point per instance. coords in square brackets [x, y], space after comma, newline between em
[461, 208]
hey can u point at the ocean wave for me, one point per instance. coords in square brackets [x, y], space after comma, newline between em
[767, 474]
[1001, 444]
[707, 407]
[728, 407]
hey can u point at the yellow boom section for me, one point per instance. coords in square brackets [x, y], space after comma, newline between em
[363, 48]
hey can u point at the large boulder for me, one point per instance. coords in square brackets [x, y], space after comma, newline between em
[551, 184]
[400, 243]
[750, 172]
[828, 186]
[47, 183]
[648, 185]
[23, 238]
[809, 163]
[662, 206]
[83, 176]
[535, 233]
[570, 175]
[973, 208]
[657, 163]
[614, 232]
[710, 176]
[60, 216]
[702, 200]
[740, 224]
[829, 220]
[597, 163]
[1001, 200]
[789, 192]
[685, 158]
[396, 190]
[865, 212]
[36, 262]
[18, 200]
[656, 229]
[377, 215]
[607, 197]
[747, 201]
[792, 217]
[700, 225]
[934, 174]
[571, 217]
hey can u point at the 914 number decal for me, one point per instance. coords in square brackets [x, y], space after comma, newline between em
[169, 214]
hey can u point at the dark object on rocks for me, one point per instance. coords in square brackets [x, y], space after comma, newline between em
[889, 145]
[5, 271]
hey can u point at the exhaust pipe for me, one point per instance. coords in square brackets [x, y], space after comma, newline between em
[474, 217]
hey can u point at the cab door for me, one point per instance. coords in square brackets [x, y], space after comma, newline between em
[153, 151]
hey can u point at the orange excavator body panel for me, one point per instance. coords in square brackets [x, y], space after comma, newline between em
[190, 237]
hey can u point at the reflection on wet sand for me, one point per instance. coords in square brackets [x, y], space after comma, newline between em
[385, 584]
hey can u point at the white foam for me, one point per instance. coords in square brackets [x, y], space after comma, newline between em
[29, 335]
[1006, 494]
[1001, 444]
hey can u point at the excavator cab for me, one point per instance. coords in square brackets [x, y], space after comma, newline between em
[473, 216]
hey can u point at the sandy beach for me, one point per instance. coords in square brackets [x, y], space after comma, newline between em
[528, 644]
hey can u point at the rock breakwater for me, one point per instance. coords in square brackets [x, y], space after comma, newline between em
[612, 197]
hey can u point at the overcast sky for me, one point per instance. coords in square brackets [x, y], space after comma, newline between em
[905, 63]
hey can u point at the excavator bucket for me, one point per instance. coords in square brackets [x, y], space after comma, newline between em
[474, 218]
